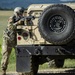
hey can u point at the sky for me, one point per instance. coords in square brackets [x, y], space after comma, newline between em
[25, 3]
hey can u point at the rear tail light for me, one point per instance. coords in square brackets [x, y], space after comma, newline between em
[25, 35]
[19, 38]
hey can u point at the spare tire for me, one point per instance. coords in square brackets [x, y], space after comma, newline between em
[57, 24]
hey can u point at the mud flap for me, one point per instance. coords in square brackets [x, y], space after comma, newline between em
[23, 61]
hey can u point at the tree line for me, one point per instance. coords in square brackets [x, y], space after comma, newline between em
[6, 8]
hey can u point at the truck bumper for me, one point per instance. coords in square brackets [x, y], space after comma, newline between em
[24, 53]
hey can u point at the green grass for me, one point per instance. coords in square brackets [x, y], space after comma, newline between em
[69, 63]
[12, 62]
[4, 15]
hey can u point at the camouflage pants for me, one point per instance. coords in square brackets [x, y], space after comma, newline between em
[6, 51]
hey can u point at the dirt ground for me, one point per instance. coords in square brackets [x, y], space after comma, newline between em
[70, 71]
[44, 74]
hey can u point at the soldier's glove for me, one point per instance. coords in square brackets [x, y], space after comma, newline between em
[10, 20]
[20, 22]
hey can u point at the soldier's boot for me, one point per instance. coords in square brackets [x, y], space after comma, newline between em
[3, 72]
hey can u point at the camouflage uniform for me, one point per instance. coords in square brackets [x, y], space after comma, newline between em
[9, 41]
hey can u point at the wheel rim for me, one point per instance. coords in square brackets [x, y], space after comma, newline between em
[56, 23]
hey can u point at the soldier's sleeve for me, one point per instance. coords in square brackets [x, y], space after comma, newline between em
[10, 22]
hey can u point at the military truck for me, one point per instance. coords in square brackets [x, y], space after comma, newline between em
[48, 34]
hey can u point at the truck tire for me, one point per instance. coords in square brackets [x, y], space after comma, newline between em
[35, 65]
[35, 69]
[59, 63]
[57, 24]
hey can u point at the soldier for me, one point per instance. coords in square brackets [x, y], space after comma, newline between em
[9, 37]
